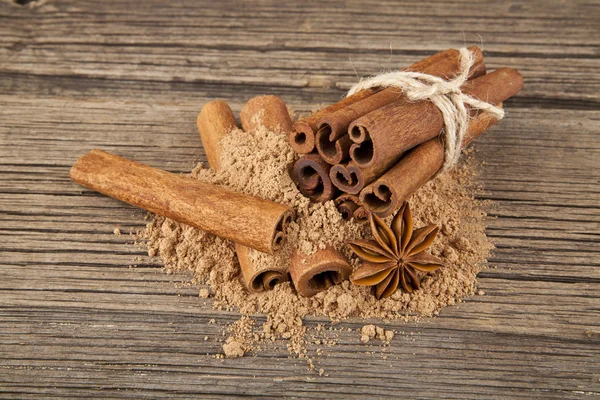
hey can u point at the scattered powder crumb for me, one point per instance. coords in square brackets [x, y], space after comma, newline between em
[256, 164]
[117, 231]
[233, 349]
[371, 331]
[480, 293]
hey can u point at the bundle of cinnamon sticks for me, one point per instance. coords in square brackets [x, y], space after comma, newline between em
[370, 151]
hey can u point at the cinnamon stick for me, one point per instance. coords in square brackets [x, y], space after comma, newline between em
[214, 122]
[382, 136]
[259, 278]
[311, 175]
[422, 163]
[332, 141]
[248, 220]
[319, 271]
[350, 178]
[302, 136]
[268, 111]
[351, 208]
[256, 277]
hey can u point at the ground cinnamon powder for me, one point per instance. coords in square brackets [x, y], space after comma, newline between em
[256, 163]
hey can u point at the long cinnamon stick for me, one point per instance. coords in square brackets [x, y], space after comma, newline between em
[248, 220]
[214, 122]
[268, 111]
[311, 174]
[319, 271]
[332, 141]
[382, 136]
[384, 196]
[264, 109]
[351, 208]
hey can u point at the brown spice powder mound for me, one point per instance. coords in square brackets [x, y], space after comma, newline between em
[256, 163]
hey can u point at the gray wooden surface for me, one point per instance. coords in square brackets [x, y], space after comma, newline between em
[130, 77]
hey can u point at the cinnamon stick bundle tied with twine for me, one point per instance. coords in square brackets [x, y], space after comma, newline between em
[379, 144]
[215, 121]
[387, 118]
[302, 137]
[314, 174]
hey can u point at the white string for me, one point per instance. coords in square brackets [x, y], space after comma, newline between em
[445, 95]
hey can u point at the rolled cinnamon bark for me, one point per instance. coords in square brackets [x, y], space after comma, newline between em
[319, 271]
[311, 175]
[214, 122]
[268, 111]
[248, 220]
[382, 136]
[387, 193]
[350, 178]
[351, 208]
[331, 139]
[263, 109]
[302, 137]
[257, 277]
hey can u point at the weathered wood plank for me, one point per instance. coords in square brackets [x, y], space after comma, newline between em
[76, 321]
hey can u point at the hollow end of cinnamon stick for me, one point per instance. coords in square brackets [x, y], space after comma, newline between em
[362, 153]
[379, 199]
[302, 137]
[259, 278]
[269, 111]
[319, 271]
[348, 178]
[280, 231]
[311, 175]
[351, 208]
[331, 147]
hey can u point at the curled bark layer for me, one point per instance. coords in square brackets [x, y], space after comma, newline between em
[319, 271]
[351, 207]
[311, 175]
[257, 277]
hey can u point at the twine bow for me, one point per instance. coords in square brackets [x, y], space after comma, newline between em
[445, 95]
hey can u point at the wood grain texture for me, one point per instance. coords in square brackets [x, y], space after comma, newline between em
[131, 77]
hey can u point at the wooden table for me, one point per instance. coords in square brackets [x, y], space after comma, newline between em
[130, 77]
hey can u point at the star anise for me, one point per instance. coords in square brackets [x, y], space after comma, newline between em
[396, 254]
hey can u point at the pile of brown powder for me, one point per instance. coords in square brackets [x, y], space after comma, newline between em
[256, 163]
